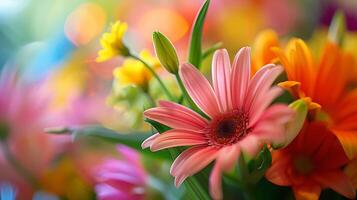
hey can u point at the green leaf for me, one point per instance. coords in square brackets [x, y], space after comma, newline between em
[195, 189]
[133, 140]
[259, 165]
[195, 50]
[208, 52]
[159, 127]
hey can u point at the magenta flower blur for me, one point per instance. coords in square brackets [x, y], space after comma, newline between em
[123, 179]
[240, 117]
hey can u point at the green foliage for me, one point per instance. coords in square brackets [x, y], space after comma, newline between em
[195, 49]
[250, 172]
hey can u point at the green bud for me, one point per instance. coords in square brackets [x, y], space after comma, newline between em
[166, 52]
[295, 125]
[4, 131]
[337, 28]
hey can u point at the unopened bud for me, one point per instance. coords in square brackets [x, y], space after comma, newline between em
[166, 52]
[337, 28]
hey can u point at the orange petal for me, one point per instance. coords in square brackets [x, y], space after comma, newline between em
[308, 191]
[336, 180]
[277, 172]
[351, 172]
[293, 87]
[262, 48]
[348, 141]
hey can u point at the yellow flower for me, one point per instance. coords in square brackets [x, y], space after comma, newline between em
[112, 42]
[134, 72]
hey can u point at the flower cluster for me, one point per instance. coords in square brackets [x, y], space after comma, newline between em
[274, 118]
[279, 107]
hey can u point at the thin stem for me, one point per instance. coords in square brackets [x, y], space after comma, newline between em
[167, 92]
[150, 99]
[249, 192]
[18, 166]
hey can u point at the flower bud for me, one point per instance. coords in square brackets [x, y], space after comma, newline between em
[166, 52]
[293, 127]
[337, 28]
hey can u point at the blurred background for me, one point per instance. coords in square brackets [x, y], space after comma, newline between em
[50, 77]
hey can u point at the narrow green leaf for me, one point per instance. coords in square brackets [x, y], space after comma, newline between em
[208, 52]
[159, 127]
[133, 140]
[259, 165]
[195, 50]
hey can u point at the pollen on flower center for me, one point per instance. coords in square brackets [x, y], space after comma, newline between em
[228, 128]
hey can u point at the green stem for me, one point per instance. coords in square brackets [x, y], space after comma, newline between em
[249, 192]
[167, 92]
[18, 167]
[150, 99]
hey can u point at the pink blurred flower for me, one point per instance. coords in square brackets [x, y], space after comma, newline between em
[25, 109]
[121, 179]
[22, 111]
[240, 117]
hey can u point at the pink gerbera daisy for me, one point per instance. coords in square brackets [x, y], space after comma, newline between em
[240, 118]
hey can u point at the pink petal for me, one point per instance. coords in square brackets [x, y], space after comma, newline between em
[175, 106]
[240, 77]
[337, 181]
[228, 156]
[180, 179]
[129, 154]
[278, 113]
[119, 178]
[106, 192]
[271, 125]
[177, 137]
[268, 132]
[191, 161]
[221, 78]
[147, 143]
[176, 116]
[199, 89]
[260, 84]
[215, 182]
[261, 103]
[250, 145]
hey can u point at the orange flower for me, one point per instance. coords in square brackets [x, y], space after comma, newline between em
[324, 81]
[262, 49]
[311, 163]
[351, 172]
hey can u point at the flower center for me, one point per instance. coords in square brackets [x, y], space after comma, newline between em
[303, 164]
[228, 128]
